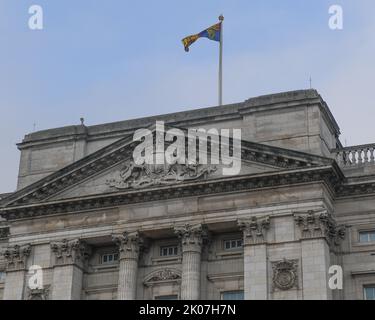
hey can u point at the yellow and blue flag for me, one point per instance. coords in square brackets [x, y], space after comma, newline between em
[212, 33]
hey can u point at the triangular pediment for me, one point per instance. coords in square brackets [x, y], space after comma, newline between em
[112, 170]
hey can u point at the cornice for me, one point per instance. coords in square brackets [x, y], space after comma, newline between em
[324, 174]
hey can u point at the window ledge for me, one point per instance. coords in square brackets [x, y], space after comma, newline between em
[161, 260]
[229, 254]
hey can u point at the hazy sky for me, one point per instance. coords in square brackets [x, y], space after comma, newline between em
[111, 60]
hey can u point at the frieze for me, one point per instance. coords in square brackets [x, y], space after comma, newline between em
[134, 176]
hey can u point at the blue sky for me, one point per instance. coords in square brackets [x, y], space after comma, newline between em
[111, 60]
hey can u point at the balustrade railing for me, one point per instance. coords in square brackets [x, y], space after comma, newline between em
[356, 155]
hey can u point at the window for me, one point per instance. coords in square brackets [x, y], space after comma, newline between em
[367, 236]
[2, 276]
[232, 295]
[370, 293]
[232, 244]
[109, 258]
[169, 251]
[170, 297]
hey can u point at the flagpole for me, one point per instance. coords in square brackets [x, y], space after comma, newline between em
[221, 18]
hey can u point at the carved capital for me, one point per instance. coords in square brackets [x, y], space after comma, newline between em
[315, 224]
[129, 245]
[16, 257]
[70, 252]
[254, 230]
[192, 237]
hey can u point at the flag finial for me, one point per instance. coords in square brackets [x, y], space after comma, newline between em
[221, 17]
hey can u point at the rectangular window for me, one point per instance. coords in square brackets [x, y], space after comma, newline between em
[232, 244]
[232, 295]
[367, 236]
[370, 293]
[2, 276]
[169, 251]
[108, 258]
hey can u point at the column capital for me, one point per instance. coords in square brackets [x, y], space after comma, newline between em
[68, 252]
[129, 244]
[16, 257]
[192, 236]
[254, 230]
[320, 224]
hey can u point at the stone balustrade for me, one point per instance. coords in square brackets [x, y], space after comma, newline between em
[355, 155]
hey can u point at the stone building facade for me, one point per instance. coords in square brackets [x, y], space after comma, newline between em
[302, 203]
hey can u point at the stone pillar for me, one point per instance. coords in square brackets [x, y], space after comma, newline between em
[16, 267]
[129, 248]
[191, 242]
[319, 235]
[70, 257]
[255, 257]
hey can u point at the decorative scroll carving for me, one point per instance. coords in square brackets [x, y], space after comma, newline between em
[129, 244]
[38, 294]
[320, 224]
[285, 274]
[254, 230]
[165, 275]
[16, 257]
[192, 236]
[70, 251]
[147, 175]
[4, 233]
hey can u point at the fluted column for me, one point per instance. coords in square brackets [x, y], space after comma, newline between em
[191, 242]
[69, 261]
[16, 265]
[255, 257]
[129, 245]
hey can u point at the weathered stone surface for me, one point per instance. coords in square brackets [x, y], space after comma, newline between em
[272, 232]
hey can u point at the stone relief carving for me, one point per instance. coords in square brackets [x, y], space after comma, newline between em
[16, 257]
[320, 224]
[285, 274]
[134, 176]
[254, 230]
[70, 251]
[38, 294]
[165, 275]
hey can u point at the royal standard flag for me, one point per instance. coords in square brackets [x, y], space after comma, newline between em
[212, 33]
